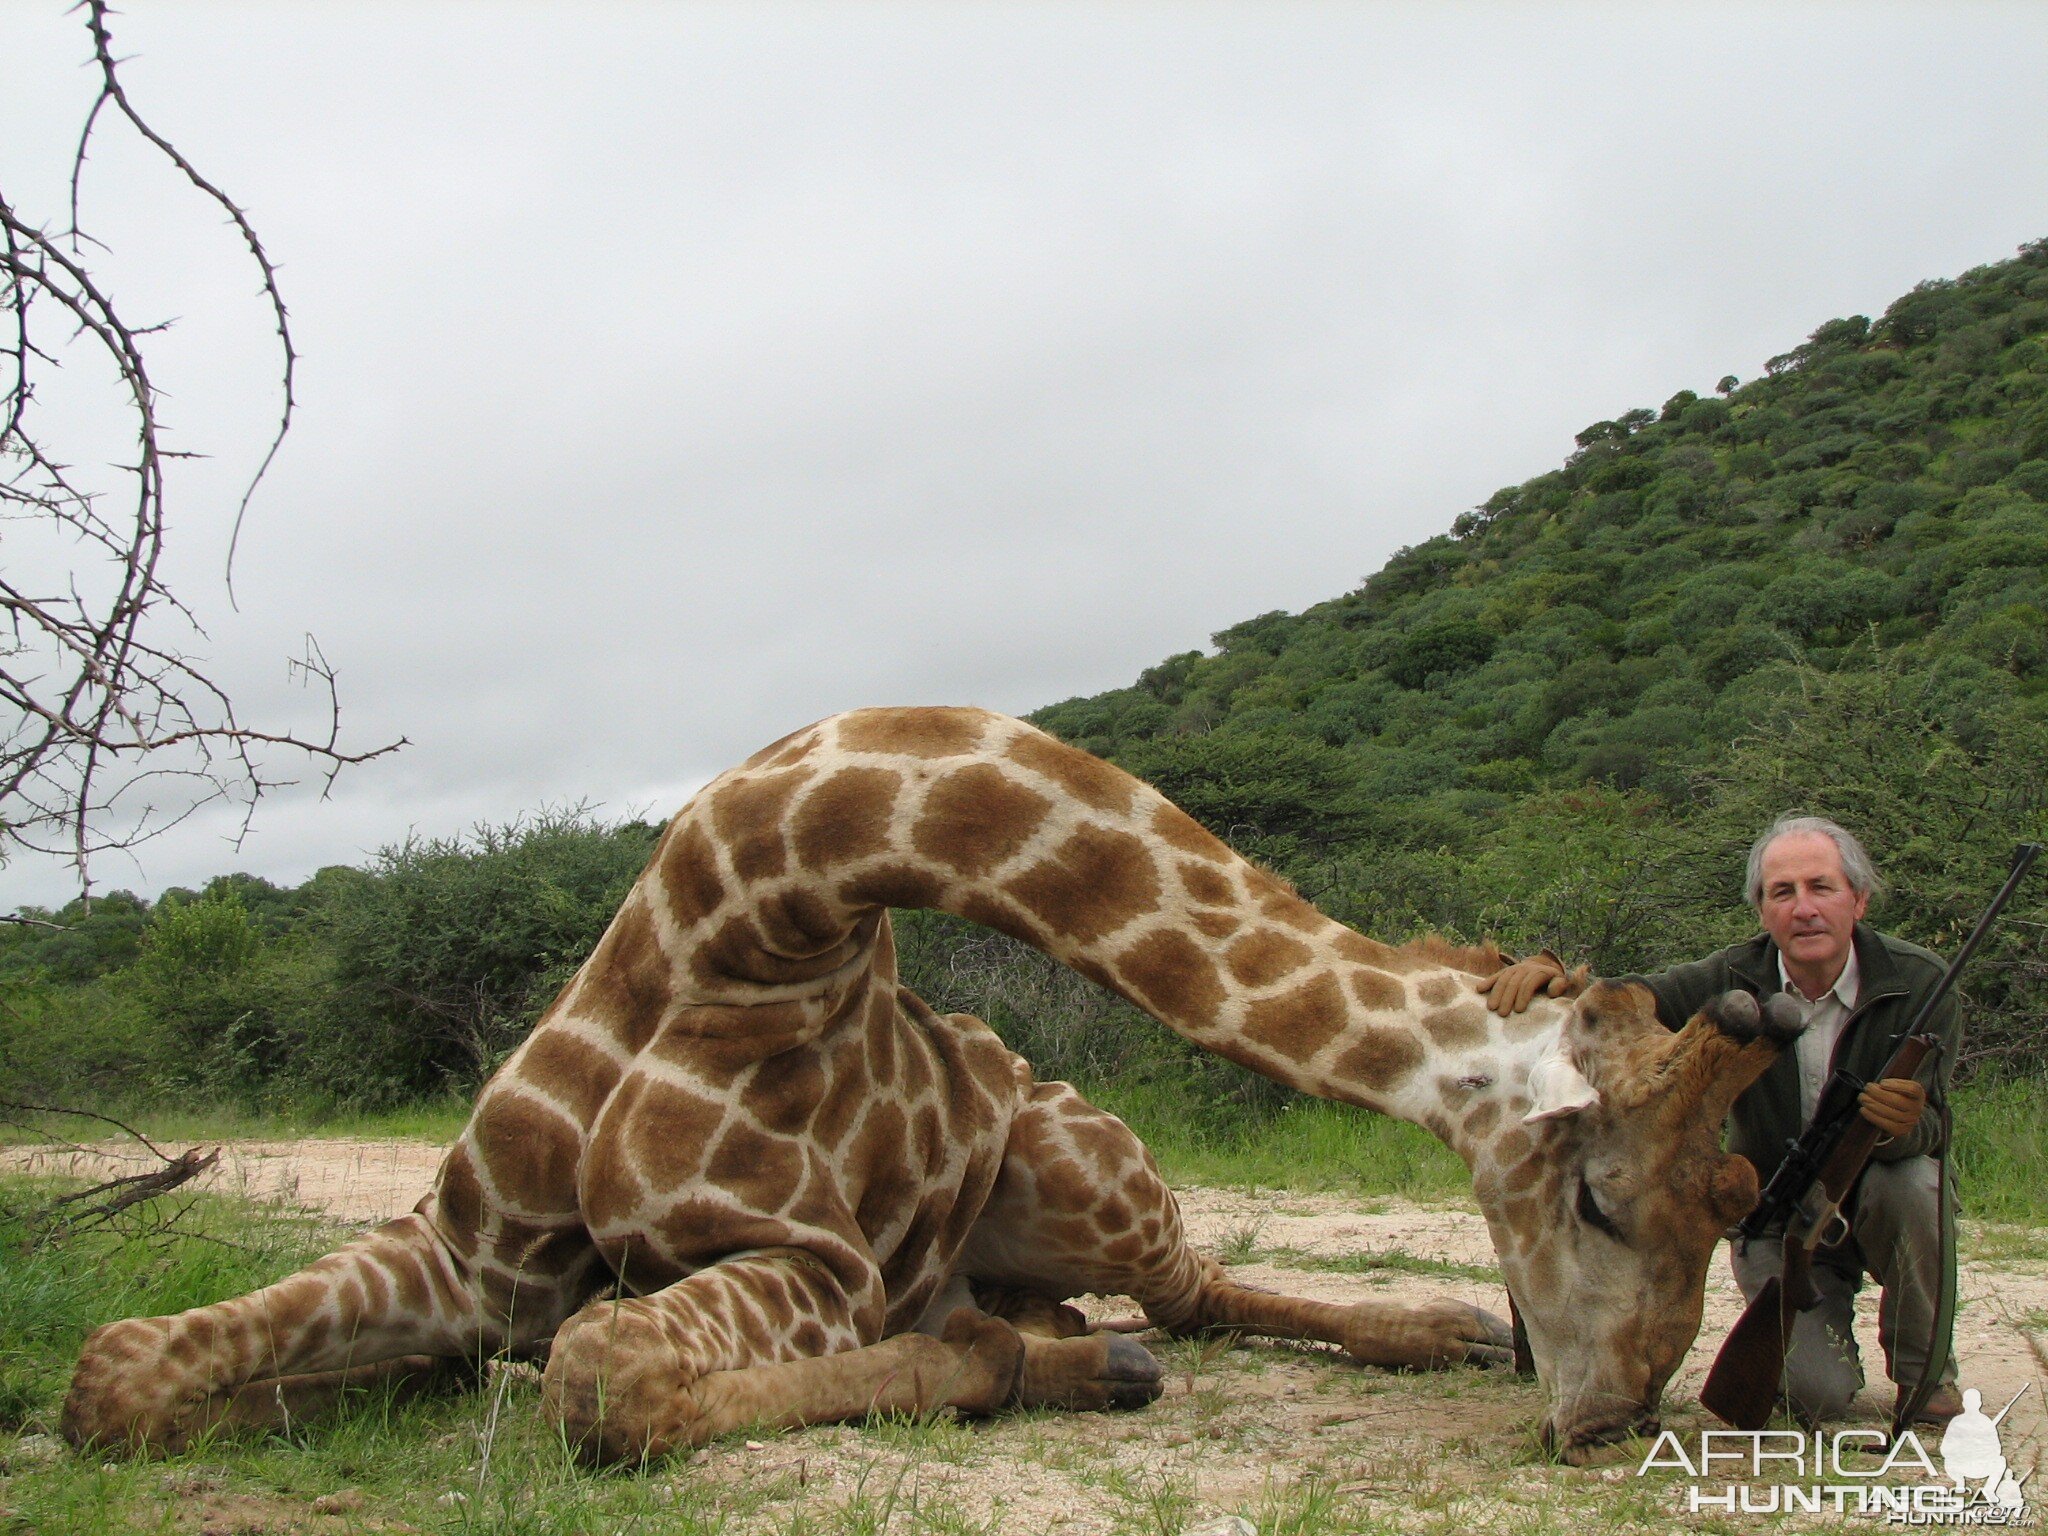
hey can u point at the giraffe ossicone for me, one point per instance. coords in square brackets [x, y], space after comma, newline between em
[737, 1174]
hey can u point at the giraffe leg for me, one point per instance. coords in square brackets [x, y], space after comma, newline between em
[285, 1400]
[765, 1339]
[1032, 1313]
[1415, 1336]
[1080, 1206]
[1067, 1363]
[153, 1383]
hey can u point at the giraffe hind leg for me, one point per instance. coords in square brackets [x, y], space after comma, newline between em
[1401, 1336]
[1080, 1201]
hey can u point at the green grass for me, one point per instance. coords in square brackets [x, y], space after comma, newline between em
[1386, 1261]
[2001, 1150]
[436, 1120]
[1362, 1451]
[1308, 1145]
[1997, 1243]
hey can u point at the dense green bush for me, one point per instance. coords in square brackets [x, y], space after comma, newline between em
[446, 953]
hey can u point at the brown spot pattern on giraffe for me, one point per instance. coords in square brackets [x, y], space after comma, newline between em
[1206, 884]
[576, 1073]
[785, 1091]
[1456, 1028]
[1377, 991]
[1356, 946]
[689, 873]
[1516, 1144]
[913, 732]
[799, 923]
[792, 748]
[1297, 1024]
[1177, 829]
[1081, 774]
[894, 885]
[977, 818]
[846, 817]
[666, 1130]
[1382, 1059]
[1265, 955]
[1437, 991]
[1094, 883]
[522, 1140]
[1170, 974]
[759, 1170]
[747, 815]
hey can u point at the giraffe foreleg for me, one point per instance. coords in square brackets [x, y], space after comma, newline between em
[766, 1339]
[154, 1383]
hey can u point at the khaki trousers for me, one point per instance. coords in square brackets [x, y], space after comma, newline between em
[1895, 1236]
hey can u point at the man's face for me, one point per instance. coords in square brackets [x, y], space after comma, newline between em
[1808, 905]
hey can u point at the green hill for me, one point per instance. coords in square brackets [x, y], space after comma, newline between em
[1825, 588]
[1883, 488]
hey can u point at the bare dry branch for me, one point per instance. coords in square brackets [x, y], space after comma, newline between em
[101, 703]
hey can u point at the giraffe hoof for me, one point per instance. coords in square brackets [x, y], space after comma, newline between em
[1493, 1341]
[125, 1398]
[1134, 1373]
[1430, 1336]
[1099, 1370]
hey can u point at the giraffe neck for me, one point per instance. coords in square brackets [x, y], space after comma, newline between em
[769, 888]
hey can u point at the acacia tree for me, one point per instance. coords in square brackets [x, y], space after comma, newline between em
[111, 731]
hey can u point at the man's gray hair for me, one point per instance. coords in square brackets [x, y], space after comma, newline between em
[1862, 874]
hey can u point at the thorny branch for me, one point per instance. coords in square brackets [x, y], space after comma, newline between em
[102, 709]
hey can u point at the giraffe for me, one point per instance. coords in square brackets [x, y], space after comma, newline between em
[738, 1175]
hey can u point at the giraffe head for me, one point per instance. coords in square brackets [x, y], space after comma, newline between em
[1606, 1209]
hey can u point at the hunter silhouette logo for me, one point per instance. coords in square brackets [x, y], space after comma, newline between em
[1971, 1452]
[1791, 1471]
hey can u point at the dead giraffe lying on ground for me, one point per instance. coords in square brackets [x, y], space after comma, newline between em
[738, 1175]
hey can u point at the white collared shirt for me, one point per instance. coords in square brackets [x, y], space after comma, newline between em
[1824, 1019]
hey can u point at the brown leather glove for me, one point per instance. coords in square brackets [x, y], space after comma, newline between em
[1511, 989]
[1893, 1105]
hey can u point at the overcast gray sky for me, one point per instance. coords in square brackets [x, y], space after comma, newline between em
[676, 374]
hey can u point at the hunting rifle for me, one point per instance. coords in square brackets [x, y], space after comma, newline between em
[1806, 1194]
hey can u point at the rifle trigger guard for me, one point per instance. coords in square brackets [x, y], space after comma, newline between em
[1837, 1231]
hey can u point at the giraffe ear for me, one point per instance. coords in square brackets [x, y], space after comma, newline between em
[1558, 1087]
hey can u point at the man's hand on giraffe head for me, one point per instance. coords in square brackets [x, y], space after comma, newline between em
[1893, 1105]
[1513, 988]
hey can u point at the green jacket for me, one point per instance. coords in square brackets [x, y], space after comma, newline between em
[1896, 979]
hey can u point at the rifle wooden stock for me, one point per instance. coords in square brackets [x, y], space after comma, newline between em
[1743, 1386]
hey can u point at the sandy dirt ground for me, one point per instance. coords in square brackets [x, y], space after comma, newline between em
[1234, 1421]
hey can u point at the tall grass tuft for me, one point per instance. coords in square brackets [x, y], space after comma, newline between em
[2001, 1149]
[1308, 1144]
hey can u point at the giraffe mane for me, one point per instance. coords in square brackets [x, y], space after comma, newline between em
[1482, 959]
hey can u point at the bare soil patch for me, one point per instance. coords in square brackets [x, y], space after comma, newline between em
[1255, 1426]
